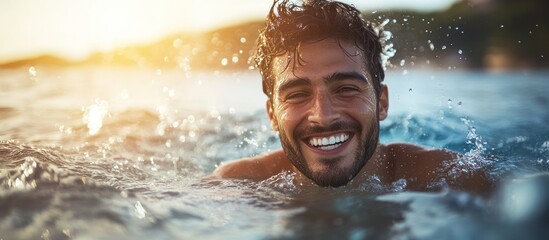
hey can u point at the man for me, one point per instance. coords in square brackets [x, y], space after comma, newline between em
[322, 72]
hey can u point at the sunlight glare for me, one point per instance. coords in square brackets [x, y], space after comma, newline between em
[93, 116]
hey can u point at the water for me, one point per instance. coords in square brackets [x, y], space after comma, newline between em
[107, 153]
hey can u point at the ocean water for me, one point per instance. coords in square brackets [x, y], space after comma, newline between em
[120, 153]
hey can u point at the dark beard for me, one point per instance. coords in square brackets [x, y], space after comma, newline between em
[335, 177]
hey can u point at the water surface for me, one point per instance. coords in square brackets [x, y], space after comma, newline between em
[107, 153]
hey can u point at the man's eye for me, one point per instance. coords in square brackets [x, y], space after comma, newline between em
[296, 95]
[348, 89]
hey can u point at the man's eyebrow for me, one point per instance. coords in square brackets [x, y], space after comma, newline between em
[293, 82]
[346, 75]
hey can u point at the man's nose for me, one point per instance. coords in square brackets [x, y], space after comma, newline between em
[323, 111]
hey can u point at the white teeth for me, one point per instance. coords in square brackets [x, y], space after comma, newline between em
[330, 147]
[325, 141]
[329, 142]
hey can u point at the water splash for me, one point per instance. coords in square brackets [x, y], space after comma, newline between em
[473, 139]
[93, 116]
[284, 182]
[384, 37]
[139, 211]
[474, 159]
[22, 178]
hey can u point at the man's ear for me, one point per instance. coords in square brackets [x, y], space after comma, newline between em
[383, 102]
[272, 118]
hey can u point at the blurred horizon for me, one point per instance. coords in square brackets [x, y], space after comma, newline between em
[76, 29]
[491, 34]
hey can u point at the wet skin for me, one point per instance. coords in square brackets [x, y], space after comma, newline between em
[327, 114]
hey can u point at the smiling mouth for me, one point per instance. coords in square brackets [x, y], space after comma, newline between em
[328, 143]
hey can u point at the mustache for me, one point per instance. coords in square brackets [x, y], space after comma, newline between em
[334, 127]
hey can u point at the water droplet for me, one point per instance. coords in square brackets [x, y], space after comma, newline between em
[459, 104]
[224, 61]
[402, 62]
[139, 211]
[405, 19]
[431, 46]
[177, 43]
[243, 40]
[450, 104]
[191, 119]
[460, 52]
[192, 134]
[32, 71]
[234, 59]
[409, 90]
[501, 26]
[443, 47]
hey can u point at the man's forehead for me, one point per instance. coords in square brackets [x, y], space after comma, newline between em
[307, 50]
[316, 56]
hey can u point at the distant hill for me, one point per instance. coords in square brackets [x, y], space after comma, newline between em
[44, 59]
[471, 34]
[228, 47]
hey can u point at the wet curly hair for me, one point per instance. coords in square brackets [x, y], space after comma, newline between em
[288, 25]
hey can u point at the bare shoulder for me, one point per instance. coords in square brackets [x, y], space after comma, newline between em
[256, 168]
[418, 163]
[406, 153]
[422, 167]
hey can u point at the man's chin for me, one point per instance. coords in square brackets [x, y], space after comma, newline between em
[332, 178]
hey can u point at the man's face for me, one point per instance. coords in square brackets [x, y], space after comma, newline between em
[326, 111]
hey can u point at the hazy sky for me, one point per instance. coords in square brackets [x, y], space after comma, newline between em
[74, 28]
